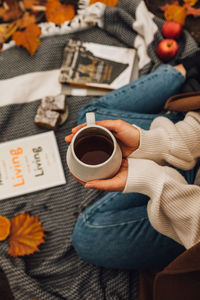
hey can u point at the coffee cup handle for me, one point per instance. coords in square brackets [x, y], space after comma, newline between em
[90, 118]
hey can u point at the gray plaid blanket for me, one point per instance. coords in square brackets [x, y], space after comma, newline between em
[56, 272]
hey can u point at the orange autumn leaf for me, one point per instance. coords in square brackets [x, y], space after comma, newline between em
[26, 235]
[28, 38]
[59, 13]
[195, 12]
[106, 2]
[26, 20]
[191, 2]
[4, 228]
[176, 13]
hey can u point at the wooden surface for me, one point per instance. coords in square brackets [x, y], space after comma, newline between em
[192, 24]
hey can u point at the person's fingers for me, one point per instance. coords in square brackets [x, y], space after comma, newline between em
[113, 125]
[116, 183]
[78, 127]
[68, 138]
[108, 185]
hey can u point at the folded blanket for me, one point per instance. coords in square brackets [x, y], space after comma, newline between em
[56, 272]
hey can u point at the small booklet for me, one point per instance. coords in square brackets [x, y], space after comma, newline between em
[30, 164]
[96, 66]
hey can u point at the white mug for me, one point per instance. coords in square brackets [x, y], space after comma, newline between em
[96, 169]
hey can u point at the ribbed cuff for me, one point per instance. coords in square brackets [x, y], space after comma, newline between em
[144, 177]
[154, 144]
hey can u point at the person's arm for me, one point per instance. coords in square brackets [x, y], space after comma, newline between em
[174, 205]
[168, 143]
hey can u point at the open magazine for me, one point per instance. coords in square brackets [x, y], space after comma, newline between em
[96, 67]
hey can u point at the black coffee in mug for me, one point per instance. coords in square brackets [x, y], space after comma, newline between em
[93, 149]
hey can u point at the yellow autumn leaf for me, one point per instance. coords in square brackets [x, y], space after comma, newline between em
[176, 13]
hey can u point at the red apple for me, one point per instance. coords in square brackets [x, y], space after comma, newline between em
[167, 49]
[172, 29]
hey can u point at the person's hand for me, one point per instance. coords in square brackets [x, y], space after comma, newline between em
[114, 184]
[128, 136]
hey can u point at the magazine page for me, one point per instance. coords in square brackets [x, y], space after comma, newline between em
[30, 164]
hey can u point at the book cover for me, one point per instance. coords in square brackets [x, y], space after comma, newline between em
[30, 164]
[96, 66]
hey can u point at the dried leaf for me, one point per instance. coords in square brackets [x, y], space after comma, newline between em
[10, 14]
[29, 4]
[195, 12]
[6, 31]
[3, 32]
[4, 228]
[10, 3]
[26, 235]
[191, 2]
[28, 38]
[26, 20]
[59, 13]
[164, 7]
[106, 2]
[176, 13]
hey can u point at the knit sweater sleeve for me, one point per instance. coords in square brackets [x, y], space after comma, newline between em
[168, 143]
[174, 205]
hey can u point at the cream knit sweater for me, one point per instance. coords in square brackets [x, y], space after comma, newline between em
[174, 205]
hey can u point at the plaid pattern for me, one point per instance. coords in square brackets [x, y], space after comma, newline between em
[56, 272]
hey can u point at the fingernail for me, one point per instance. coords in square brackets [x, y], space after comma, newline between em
[88, 185]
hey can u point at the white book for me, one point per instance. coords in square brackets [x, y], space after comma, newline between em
[30, 164]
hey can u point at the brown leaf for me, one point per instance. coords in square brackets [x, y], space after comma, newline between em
[26, 235]
[59, 13]
[106, 2]
[28, 38]
[10, 3]
[176, 13]
[10, 14]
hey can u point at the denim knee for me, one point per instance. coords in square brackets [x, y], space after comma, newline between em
[84, 242]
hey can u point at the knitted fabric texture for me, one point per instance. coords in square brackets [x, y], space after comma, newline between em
[56, 272]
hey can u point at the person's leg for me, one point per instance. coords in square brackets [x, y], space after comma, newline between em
[147, 94]
[115, 233]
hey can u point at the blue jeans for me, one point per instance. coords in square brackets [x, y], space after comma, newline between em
[115, 231]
